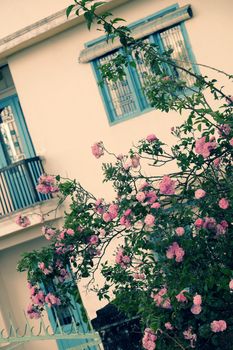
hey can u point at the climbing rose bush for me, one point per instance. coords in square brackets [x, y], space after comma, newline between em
[173, 264]
[173, 233]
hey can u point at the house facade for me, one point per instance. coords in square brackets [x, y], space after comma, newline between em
[52, 110]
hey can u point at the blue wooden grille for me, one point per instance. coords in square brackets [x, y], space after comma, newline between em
[120, 93]
[18, 185]
[173, 39]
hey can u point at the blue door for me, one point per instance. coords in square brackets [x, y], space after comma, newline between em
[15, 145]
[64, 316]
[15, 141]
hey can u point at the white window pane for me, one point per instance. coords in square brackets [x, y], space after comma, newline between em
[10, 136]
[173, 39]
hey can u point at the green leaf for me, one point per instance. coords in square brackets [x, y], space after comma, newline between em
[69, 9]
[117, 19]
[89, 16]
[97, 4]
[199, 127]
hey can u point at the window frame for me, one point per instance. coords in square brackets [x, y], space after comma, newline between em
[131, 73]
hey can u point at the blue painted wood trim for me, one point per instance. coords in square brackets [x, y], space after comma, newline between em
[184, 32]
[137, 23]
[103, 93]
[23, 129]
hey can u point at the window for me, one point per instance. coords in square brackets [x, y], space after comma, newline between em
[125, 99]
[15, 141]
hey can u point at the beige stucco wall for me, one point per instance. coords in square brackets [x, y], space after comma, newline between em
[61, 101]
[30, 11]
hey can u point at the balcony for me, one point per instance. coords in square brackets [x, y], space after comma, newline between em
[18, 185]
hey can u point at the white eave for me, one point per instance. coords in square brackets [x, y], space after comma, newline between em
[12, 234]
[45, 28]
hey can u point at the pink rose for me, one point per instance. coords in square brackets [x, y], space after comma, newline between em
[47, 184]
[217, 162]
[120, 156]
[166, 304]
[209, 223]
[33, 312]
[107, 217]
[223, 203]
[99, 206]
[126, 259]
[151, 138]
[22, 221]
[196, 309]
[203, 147]
[181, 298]
[70, 232]
[200, 193]
[62, 235]
[175, 251]
[231, 284]
[135, 161]
[179, 253]
[218, 326]
[41, 265]
[190, 336]
[151, 197]
[156, 205]
[179, 231]
[149, 220]
[149, 339]
[127, 212]
[113, 211]
[51, 299]
[102, 233]
[97, 149]
[125, 222]
[122, 259]
[199, 223]
[231, 142]
[139, 276]
[168, 326]
[93, 240]
[48, 232]
[197, 300]
[140, 196]
[127, 164]
[167, 185]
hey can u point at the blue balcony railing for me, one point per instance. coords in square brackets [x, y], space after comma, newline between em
[18, 185]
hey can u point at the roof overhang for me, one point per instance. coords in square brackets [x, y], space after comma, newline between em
[46, 28]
